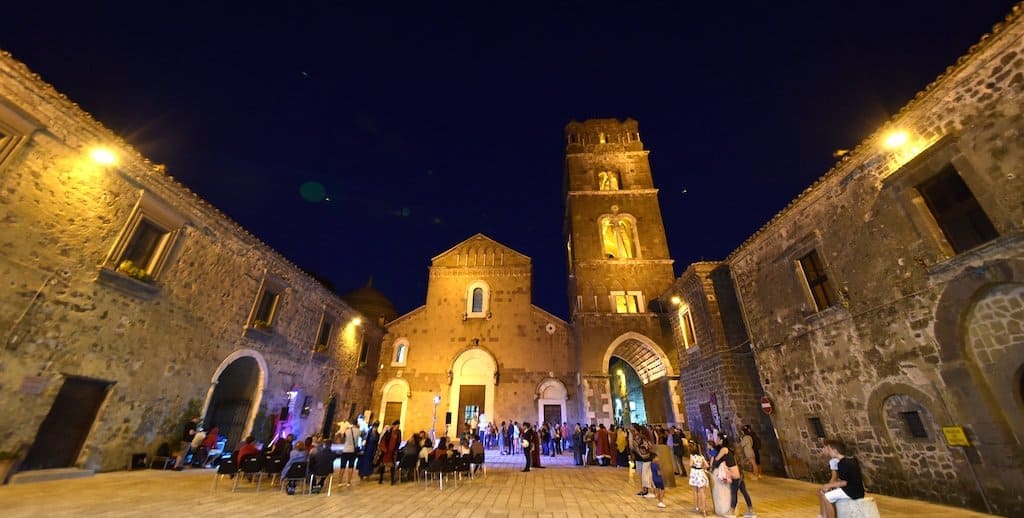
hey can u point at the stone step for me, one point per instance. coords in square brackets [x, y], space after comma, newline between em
[43, 475]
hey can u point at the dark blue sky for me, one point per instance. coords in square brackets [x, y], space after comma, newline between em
[428, 124]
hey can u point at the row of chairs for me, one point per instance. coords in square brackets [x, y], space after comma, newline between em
[256, 468]
[454, 468]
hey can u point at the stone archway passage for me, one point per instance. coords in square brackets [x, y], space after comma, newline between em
[232, 401]
[640, 372]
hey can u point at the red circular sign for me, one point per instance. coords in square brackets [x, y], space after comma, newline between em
[766, 405]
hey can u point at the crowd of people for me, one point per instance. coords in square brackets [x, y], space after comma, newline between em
[372, 450]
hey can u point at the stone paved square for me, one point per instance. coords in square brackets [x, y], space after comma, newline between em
[561, 490]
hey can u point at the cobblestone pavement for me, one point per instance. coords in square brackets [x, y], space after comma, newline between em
[561, 490]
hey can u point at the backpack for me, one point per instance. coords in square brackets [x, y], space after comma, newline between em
[643, 448]
[757, 442]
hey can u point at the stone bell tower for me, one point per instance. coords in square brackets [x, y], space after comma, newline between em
[618, 266]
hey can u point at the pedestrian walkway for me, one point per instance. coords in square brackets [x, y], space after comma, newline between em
[559, 490]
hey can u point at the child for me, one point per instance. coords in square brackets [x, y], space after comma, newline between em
[659, 483]
[699, 479]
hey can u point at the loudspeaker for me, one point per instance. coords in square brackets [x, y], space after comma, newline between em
[447, 418]
[284, 413]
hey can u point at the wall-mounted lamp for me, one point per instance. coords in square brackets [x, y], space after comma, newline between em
[475, 342]
[496, 377]
[357, 321]
[676, 300]
[102, 155]
[451, 377]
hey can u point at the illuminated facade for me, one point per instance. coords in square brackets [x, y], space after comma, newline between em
[479, 344]
[129, 302]
[618, 267]
[885, 304]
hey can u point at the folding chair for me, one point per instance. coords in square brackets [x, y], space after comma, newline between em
[251, 467]
[227, 467]
[436, 466]
[325, 472]
[272, 467]
[296, 473]
[463, 466]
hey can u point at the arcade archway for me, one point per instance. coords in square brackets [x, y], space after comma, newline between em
[235, 394]
[639, 375]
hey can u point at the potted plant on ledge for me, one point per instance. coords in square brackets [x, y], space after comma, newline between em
[128, 268]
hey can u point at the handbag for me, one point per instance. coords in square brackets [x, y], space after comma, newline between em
[524, 443]
[722, 473]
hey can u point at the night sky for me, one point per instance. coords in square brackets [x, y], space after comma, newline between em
[428, 124]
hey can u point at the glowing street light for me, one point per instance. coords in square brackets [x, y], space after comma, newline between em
[103, 156]
[356, 321]
[896, 139]
[676, 300]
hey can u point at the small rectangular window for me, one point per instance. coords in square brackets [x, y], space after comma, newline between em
[364, 351]
[323, 337]
[686, 327]
[627, 302]
[817, 427]
[266, 308]
[956, 210]
[818, 283]
[914, 424]
[145, 245]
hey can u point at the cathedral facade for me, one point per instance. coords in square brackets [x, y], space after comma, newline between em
[480, 347]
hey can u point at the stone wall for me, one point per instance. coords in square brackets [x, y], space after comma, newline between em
[68, 312]
[916, 326]
[718, 371]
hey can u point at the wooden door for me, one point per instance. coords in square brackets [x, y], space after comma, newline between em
[471, 405]
[392, 412]
[64, 430]
[553, 414]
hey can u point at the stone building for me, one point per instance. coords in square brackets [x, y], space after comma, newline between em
[885, 304]
[619, 265]
[716, 365]
[127, 299]
[479, 346]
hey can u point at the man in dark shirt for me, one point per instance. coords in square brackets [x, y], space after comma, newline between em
[848, 484]
[187, 434]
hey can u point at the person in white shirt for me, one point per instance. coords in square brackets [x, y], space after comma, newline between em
[349, 439]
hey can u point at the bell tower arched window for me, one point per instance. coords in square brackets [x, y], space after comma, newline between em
[618, 237]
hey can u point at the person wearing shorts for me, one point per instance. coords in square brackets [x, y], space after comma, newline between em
[349, 453]
[847, 484]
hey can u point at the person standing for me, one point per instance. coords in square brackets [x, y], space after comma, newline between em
[659, 483]
[602, 446]
[726, 456]
[528, 439]
[679, 451]
[188, 433]
[349, 452]
[577, 445]
[642, 448]
[370, 445]
[751, 445]
[389, 451]
[699, 479]
[847, 482]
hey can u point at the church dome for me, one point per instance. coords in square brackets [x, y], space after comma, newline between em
[371, 303]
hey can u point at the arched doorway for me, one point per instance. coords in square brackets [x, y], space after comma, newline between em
[394, 402]
[235, 394]
[551, 397]
[639, 375]
[472, 391]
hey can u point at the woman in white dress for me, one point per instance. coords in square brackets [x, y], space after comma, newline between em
[699, 479]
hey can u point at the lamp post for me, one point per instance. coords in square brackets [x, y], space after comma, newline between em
[433, 424]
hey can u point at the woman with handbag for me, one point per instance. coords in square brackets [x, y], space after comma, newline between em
[728, 472]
